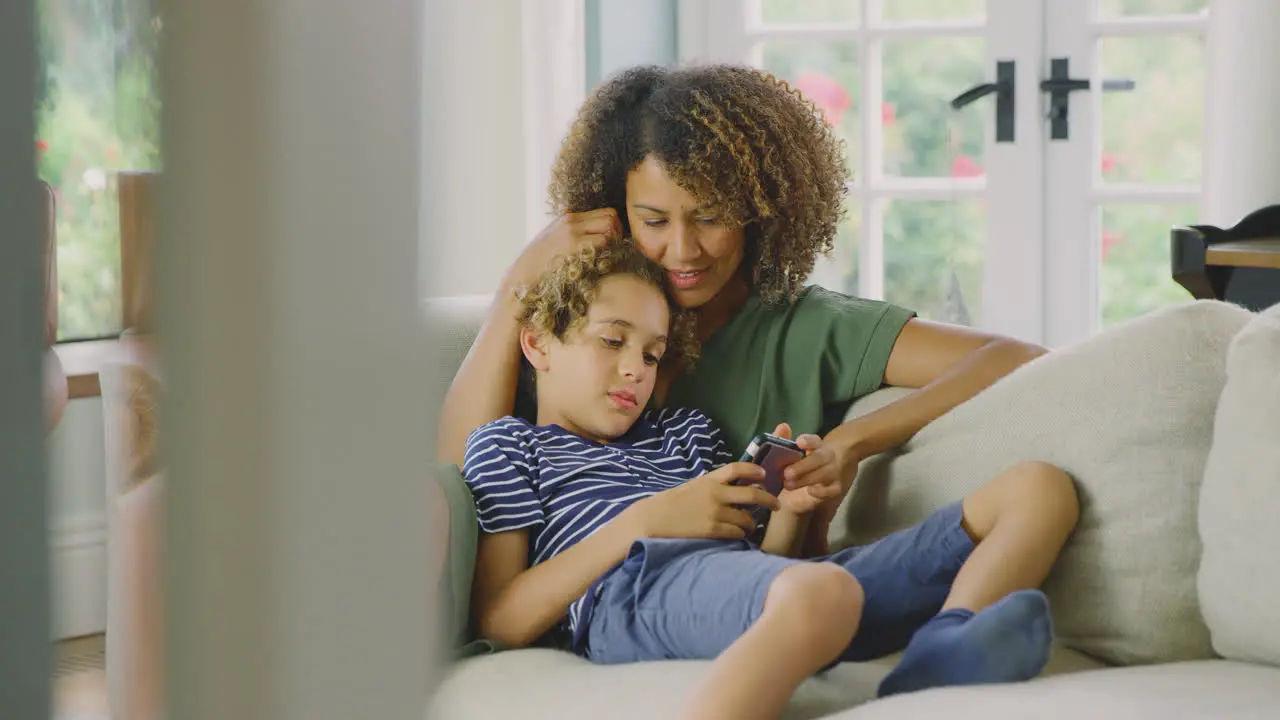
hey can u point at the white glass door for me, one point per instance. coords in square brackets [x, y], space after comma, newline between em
[941, 216]
[1130, 166]
[1048, 236]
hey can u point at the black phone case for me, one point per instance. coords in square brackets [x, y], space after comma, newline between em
[757, 452]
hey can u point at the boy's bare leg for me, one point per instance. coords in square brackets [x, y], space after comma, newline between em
[810, 616]
[994, 627]
[1020, 520]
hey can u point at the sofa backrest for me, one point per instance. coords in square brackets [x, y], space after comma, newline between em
[453, 323]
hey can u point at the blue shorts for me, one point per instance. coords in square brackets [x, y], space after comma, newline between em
[691, 599]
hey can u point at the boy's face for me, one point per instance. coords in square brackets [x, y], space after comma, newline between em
[597, 381]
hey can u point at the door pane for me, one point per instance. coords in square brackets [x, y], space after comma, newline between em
[98, 113]
[1153, 133]
[923, 136]
[1135, 274]
[1128, 8]
[839, 271]
[899, 10]
[810, 11]
[827, 74]
[934, 257]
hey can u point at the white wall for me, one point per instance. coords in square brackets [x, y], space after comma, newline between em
[473, 125]
[502, 102]
[78, 527]
[554, 72]
[1242, 147]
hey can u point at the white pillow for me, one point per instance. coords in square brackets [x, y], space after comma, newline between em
[1129, 414]
[1239, 578]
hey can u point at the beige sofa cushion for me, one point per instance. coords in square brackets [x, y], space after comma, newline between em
[554, 685]
[1129, 414]
[453, 323]
[1239, 578]
[1217, 689]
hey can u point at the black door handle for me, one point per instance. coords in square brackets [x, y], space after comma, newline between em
[1003, 90]
[1119, 85]
[1067, 85]
[1063, 85]
[974, 93]
[1060, 85]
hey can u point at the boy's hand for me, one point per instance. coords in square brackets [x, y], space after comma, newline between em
[705, 506]
[808, 497]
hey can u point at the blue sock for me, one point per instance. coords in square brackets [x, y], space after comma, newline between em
[1009, 641]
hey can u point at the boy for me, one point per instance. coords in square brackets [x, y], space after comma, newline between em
[629, 529]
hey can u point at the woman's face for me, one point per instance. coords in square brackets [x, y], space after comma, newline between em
[699, 253]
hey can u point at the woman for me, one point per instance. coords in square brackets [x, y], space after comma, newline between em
[734, 183]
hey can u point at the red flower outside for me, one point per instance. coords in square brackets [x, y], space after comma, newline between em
[1110, 240]
[965, 166]
[825, 92]
[42, 145]
[1108, 163]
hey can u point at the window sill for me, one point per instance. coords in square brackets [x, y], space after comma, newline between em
[81, 362]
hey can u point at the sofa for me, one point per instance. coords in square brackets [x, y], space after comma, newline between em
[1166, 600]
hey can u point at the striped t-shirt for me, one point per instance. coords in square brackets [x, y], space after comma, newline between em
[563, 487]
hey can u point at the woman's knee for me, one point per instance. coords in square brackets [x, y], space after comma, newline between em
[817, 599]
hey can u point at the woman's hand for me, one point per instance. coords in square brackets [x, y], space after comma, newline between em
[825, 474]
[709, 506]
[561, 237]
[816, 483]
[825, 465]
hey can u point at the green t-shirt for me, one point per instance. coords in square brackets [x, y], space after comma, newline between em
[802, 364]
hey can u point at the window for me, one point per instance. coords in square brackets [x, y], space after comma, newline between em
[97, 114]
[1144, 146]
[1044, 238]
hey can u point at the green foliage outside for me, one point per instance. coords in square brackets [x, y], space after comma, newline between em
[98, 114]
[933, 250]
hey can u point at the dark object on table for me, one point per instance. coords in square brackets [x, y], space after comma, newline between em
[1239, 264]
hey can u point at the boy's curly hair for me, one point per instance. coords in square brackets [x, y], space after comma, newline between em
[735, 137]
[559, 301]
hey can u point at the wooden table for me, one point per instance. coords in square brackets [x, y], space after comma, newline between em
[1260, 253]
[1239, 264]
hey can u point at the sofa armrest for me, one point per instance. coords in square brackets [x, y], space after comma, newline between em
[453, 323]
[460, 556]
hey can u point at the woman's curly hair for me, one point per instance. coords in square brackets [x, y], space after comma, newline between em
[560, 300]
[737, 138]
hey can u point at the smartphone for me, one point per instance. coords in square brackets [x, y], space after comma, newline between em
[774, 454]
